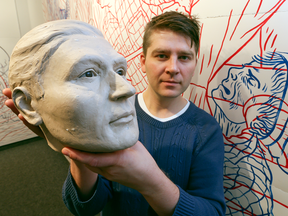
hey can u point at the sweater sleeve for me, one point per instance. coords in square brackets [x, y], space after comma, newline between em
[90, 207]
[205, 195]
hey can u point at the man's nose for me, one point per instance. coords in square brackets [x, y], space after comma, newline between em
[120, 88]
[172, 66]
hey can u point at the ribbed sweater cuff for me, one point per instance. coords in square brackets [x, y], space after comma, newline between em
[71, 190]
[69, 194]
[185, 205]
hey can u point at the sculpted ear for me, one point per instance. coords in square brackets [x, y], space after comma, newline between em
[22, 101]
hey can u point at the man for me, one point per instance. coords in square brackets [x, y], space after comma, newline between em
[180, 169]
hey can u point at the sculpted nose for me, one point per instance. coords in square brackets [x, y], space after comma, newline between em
[120, 88]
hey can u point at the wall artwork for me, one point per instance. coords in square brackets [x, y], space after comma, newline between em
[241, 79]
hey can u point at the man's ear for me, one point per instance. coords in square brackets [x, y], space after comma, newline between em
[22, 101]
[142, 61]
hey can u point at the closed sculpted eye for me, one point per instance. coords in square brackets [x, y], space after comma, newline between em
[88, 73]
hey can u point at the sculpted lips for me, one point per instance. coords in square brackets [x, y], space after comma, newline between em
[122, 119]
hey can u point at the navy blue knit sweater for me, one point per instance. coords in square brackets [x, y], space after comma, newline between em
[190, 151]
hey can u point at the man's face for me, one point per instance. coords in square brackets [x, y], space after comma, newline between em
[169, 63]
[240, 85]
[88, 102]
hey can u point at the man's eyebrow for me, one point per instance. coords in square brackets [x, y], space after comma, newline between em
[182, 52]
[189, 53]
[159, 50]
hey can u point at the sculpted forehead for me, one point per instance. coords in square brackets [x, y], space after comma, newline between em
[78, 45]
[81, 52]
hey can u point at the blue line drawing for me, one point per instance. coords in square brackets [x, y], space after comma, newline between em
[252, 111]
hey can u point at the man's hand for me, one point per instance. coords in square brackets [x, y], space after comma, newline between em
[131, 167]
[9, 103]
[135, 168]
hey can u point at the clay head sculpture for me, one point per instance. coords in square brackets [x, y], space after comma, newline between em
[66, 78]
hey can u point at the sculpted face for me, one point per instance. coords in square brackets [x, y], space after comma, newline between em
[88, 104]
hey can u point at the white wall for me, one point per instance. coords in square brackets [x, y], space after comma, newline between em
[16, 18]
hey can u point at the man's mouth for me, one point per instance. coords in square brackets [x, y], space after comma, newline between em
[170, 82]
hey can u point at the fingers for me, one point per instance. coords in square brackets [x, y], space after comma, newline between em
[7, 92]
[9, 103]
[92, 159]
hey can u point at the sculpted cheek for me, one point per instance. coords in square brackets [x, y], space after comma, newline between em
[57, 106]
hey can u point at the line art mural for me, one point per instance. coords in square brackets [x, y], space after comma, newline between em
[255, 131]
[241, 79]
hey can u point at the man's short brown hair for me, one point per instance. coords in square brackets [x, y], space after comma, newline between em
[185, 25]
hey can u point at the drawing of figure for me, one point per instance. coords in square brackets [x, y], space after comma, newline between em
[253, 114]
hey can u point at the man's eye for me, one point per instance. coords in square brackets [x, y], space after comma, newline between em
[184, 57]
[121, 72]
[89, 73]
[161, 56]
